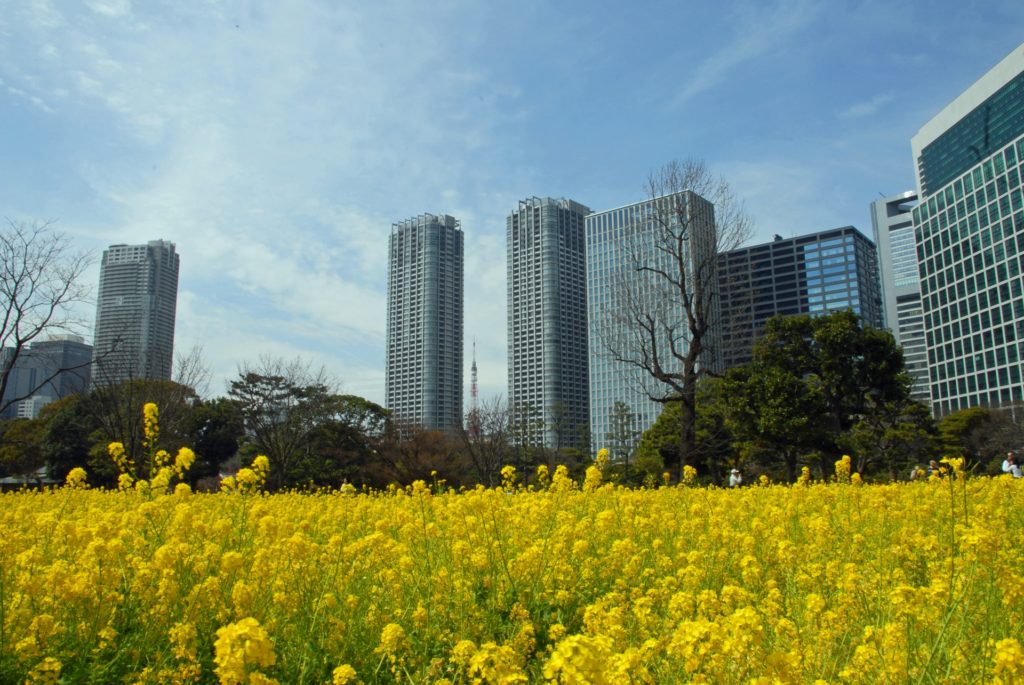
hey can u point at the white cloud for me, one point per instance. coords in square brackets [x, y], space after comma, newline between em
[757, 30]
[110, 8]
[275, 149]
[866, 108]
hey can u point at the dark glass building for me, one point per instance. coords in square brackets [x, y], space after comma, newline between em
[811, 274]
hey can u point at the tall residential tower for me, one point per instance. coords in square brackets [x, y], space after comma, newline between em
[135, 313]
[424, 332]
[547, 322]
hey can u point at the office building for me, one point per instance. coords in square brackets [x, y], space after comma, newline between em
[547, 322]
[619, 241]
[893, 226]
[969, 233]
[135, 313]
[810, 274]
[424, 331]
[45, 371]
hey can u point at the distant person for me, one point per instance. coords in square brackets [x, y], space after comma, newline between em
[735, 478]
[1012, 466]
[933, 467]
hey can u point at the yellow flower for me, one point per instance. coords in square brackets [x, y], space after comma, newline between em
[1008, 661]
[543, 476]
[183, 460]
[393, 640]
[843, 468]
[261, 464]
[120, 459]
[76, 478]
[343, 675]
[580, 659]
[239, 646]
[150, 424]
[47, 672]
[508, 476]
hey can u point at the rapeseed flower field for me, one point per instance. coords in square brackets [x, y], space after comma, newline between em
[836, 582]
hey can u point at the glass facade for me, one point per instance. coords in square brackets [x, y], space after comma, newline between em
[987, 128]
[970, 250]
[893, 226]
[811, 274]
[616, 240]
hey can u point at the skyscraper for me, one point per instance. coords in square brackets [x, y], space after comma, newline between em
[893, 225]
[47, 370]
[424, 332]
[135, 312]
[547, 321]
[618, 240]
[810, 274]
[969, 232]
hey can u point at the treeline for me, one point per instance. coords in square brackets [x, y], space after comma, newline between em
[816, 389]
[313, 436]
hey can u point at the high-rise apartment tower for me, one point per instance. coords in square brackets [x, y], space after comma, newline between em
[135, 313]
[547, 322]
[424, 331]
[969, 232]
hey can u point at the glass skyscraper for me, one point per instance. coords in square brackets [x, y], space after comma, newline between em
[810, 274]
[46, 371]
[969, 233]
[135, 313]
[424, 331]
[547, 321]
[893, 226]
[618, 240]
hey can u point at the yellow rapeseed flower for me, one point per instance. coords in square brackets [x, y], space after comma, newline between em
[76, 478]
[240, 646]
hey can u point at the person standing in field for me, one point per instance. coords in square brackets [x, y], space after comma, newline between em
[735, 478]
[1012, 466]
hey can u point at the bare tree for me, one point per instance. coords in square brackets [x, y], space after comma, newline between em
[665, 319]
[487, 440]
[40, 288]
[190, 369]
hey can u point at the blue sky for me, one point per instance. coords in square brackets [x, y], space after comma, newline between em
[276, 142]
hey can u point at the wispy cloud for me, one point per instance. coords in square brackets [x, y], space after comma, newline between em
[756, 30]
[276, 148]
[866, 108]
